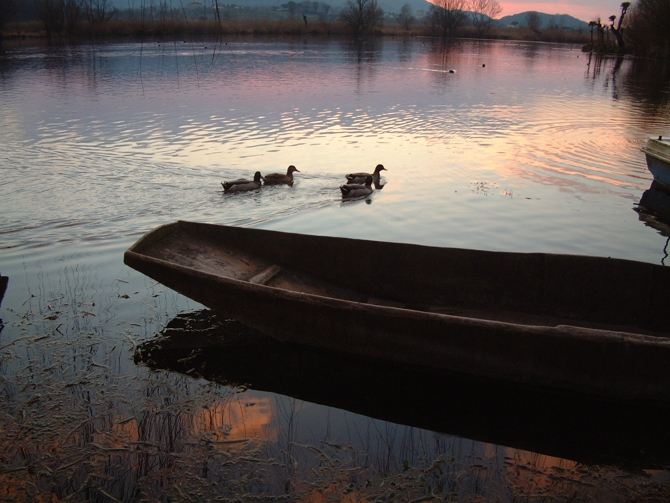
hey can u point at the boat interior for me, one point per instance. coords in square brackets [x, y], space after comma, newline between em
[530, 289]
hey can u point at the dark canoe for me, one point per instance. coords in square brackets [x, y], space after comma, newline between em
[596, 326]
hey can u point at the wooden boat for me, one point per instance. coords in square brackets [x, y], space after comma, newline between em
[597, 326]
[657, 153]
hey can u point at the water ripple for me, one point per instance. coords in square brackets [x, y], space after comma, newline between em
[129, 136]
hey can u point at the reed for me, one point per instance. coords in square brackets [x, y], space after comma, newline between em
[211, 29]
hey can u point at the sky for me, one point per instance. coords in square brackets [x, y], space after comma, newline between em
[586, 10]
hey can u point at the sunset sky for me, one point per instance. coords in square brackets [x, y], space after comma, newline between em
[581, 9]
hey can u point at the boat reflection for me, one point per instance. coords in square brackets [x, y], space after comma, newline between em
[655, 201]
[569, 427]
[4, 280]
[654, 210]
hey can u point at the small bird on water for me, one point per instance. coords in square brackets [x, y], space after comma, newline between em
[242, 184]
[351, 190]
[361, 177]
[279, 178]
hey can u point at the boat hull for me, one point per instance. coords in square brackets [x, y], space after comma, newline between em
[657, 153]
[620, 364]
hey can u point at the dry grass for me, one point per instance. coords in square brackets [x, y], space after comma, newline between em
[78, 423]
[180, 29]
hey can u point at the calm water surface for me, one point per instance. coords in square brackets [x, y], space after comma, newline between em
[488, 145]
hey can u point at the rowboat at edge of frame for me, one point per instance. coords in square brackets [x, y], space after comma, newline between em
[590, 325]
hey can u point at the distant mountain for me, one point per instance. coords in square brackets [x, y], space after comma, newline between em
[561, 20]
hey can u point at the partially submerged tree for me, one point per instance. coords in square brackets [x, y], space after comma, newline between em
[592, 24]
[362, 16]
[618, 31]
[483, 14]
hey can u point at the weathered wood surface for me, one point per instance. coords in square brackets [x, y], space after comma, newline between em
[584, 324]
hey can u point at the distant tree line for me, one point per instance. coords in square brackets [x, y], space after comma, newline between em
[57, 16]
[447, 16]
[642, 28]
[363, 17]
[648, 28]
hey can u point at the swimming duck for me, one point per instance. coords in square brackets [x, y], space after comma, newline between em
[351, 190]
[241, 184]
[278, 178]
[361, 177]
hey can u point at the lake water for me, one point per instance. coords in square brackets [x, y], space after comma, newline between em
[488, 145]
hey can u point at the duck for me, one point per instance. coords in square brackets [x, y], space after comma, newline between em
[278, 178]
[351, 190]
[361, 177]
[242, 184]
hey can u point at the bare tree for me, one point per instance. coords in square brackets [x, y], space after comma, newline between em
[618, 31]
[8, 9]
[592, 24]
[406, 17]
[73, 11]
[362, 16]
[99, 11]
[449, 15]
[533, 21]
[483, 14]
[52, 15]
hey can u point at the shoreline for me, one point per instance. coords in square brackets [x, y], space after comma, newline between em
[178, 30]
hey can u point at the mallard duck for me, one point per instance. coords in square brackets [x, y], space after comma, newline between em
[278, 178]
[241, 184]
[351, 190]
[361, 177]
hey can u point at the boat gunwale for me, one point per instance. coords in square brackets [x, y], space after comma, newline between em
[626, 363]
[560, 330]
[657, 148]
